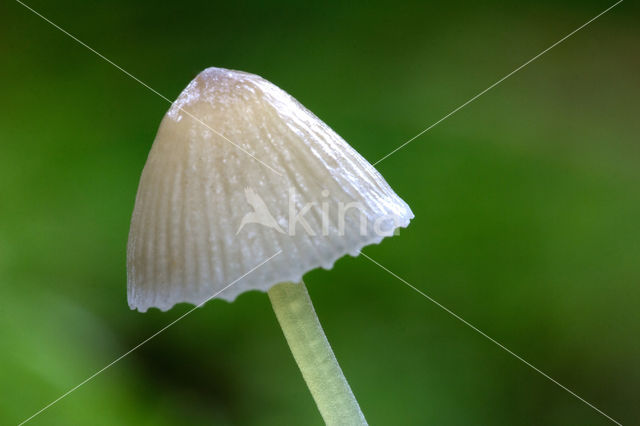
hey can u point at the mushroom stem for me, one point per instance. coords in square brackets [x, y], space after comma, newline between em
[313, 354]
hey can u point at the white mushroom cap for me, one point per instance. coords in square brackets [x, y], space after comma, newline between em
[235, 164]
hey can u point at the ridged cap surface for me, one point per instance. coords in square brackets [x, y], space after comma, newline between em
[235, 164]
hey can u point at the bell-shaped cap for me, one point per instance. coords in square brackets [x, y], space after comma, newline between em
[241, 172]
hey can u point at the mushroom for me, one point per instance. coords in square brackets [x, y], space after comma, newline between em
[246, 189]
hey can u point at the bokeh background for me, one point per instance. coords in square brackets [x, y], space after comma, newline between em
[527, 204]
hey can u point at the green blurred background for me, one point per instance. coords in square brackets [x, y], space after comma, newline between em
[526, 201]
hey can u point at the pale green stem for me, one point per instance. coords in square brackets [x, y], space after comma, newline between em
[314, 356]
